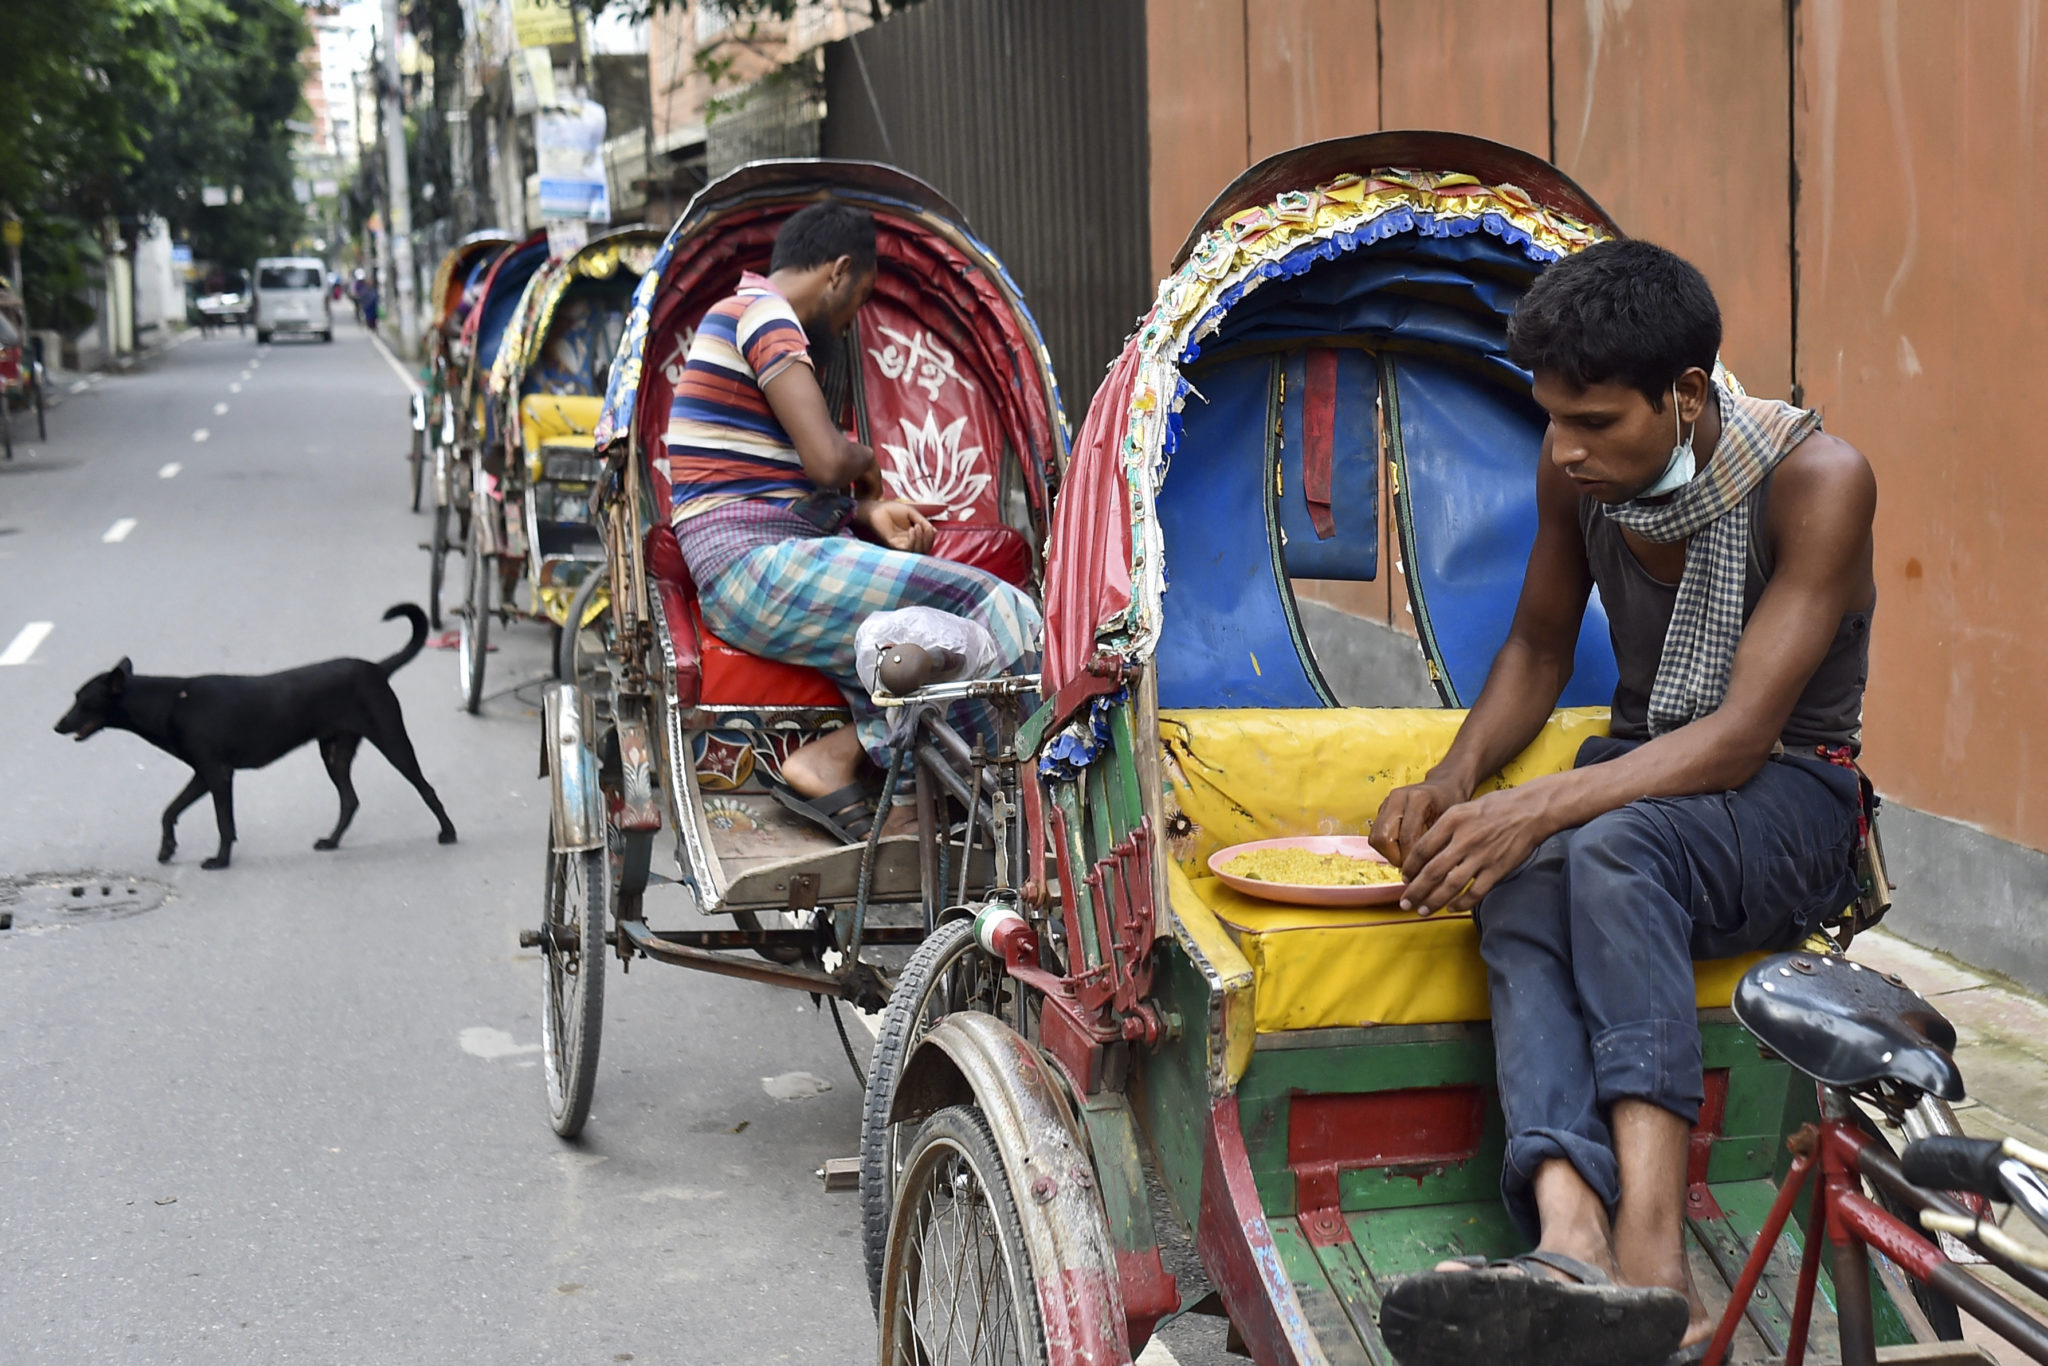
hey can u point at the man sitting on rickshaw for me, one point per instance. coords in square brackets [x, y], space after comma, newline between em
[1731, 543]
[788, 530]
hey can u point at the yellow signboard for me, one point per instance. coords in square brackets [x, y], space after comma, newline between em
[10, 232]
[539, 23]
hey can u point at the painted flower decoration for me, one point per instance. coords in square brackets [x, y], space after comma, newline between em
[932, 467]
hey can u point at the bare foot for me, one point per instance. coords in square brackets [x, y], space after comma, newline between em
[824, 765]
[901, 820]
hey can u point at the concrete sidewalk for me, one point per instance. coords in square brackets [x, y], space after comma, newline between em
[2002, 1049]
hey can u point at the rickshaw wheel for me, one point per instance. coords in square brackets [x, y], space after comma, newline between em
[419, 461]
[7, 423]
[474, 640]
[572, 955]
[575, 661]
[948, 973]
[960, 1285]
[438, 566]
[42, 428]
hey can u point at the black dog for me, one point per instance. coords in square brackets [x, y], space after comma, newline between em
[221, 722]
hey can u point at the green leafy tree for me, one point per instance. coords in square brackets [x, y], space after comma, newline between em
[120, 110]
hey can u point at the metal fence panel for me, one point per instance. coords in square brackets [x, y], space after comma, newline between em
[1030, 115]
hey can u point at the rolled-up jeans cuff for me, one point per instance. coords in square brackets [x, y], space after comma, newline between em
[1593, 1161]
[1653, 1060]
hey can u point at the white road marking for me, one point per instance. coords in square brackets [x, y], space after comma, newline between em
[220, 409]
[25, 641]
[200, 434]
[412, 386]
[1155, 1354]
[119, 530]
[483, 1041]
[169, 471]
[81, 386]
[235, 388]
[248, 374]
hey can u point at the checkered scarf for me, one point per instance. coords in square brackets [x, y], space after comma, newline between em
[1713, 510]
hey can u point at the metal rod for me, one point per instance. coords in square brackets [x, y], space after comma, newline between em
[752, 970]
[1809, 1275]
[1992, 1309]
[1885, 1174]
[1850, 1262]
[1759, 1254]
[778, 939]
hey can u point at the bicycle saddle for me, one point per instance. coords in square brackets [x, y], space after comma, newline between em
[1847, 1025]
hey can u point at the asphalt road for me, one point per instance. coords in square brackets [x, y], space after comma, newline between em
[295, 1113]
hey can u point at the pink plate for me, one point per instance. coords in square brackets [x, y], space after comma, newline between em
[1352, 846]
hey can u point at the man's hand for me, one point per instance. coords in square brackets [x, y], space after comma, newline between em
[1471, 847]
[897, 525]
[1408, 813]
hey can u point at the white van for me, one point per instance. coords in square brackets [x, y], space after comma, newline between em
[291, 296]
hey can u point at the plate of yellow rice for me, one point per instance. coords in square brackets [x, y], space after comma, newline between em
[1310, 870]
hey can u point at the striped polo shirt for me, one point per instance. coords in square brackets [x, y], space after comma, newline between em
[724, 443]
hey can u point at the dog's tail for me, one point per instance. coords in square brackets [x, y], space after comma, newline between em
[412, 647]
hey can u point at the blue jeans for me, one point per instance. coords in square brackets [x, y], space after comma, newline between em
[1589, 948]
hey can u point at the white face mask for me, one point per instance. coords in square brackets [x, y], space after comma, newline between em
[1680, 471]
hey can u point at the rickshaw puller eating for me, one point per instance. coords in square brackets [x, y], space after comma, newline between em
[1731, 542]
[760, 472]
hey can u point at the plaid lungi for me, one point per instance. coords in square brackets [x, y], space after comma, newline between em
[801, 601]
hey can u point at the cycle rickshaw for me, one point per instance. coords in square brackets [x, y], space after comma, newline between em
[472, 433]
[662, 729]
[457, 281]
[1289, 1105]
[545, 391]
[22, 377]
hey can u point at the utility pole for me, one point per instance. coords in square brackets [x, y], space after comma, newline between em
[399, 186]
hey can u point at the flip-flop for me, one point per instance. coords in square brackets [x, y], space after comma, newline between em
[1514, 1311]
[1690, 1356]
[847, 815]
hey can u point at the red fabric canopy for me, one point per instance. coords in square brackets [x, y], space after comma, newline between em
[1088, 560]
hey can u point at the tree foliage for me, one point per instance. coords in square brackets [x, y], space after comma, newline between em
[119, 111]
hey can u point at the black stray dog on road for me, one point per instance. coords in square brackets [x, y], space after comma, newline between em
[221, 722]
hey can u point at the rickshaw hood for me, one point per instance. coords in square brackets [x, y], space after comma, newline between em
[1106, 572]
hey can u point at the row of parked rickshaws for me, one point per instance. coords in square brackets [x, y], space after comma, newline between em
[1104, 1088]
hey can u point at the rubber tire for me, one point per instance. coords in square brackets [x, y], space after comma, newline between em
[7, 424]
[262, 337]
[419, 466]
[565, 645]
[474, 644]
[328, 336]
[42, 427]
[569, 1066]
[962, 1130]
[437, 569]
[898, 1037]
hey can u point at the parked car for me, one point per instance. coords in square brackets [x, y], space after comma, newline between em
[291, 296]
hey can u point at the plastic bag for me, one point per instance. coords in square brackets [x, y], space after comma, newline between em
[937, 633]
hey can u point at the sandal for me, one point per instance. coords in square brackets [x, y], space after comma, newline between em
[847, 815]
[1514, 1310]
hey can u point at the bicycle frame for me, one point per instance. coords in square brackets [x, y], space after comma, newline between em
[1840, 1157]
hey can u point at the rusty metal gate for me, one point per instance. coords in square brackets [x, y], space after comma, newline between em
[1031, 118]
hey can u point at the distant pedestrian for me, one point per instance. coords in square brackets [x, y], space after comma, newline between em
[370, 307]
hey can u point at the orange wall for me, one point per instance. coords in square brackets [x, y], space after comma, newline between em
[1676, 117]
[1909, 238]
[1922, 339]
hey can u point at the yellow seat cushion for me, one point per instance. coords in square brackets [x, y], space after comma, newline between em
[1233, 776]
[551, 417]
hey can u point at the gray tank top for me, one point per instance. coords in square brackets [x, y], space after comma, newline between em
[1829, 712]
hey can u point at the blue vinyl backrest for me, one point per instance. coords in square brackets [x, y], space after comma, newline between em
[1433, 313]
[1350, 381]
[1227, 638]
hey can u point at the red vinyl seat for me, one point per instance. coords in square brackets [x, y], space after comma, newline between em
[710, 672]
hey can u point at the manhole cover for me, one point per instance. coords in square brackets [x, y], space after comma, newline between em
[52, 900]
